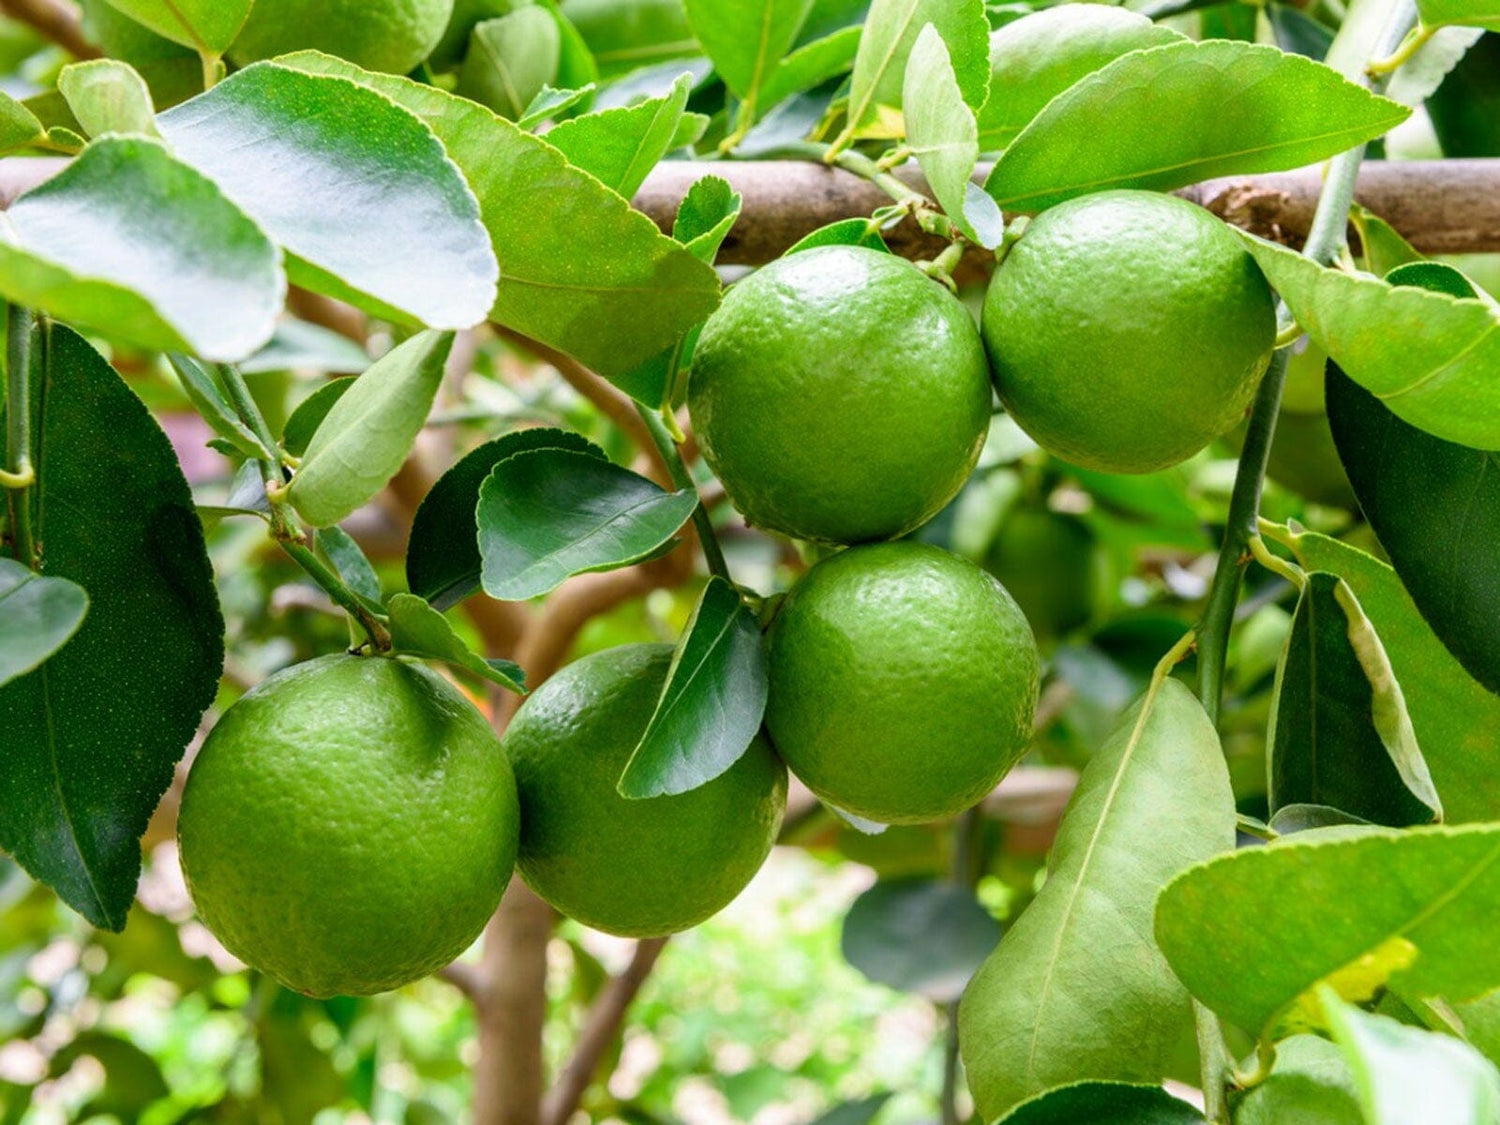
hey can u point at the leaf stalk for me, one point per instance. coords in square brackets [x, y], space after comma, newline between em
[20, 474]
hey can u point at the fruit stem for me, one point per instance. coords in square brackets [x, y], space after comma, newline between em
[671, 456]
[20, 474]
[1415, 40]
[922, 209]
[295, 545]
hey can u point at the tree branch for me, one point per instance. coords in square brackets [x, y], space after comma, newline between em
[509, 1080]
[55, 20]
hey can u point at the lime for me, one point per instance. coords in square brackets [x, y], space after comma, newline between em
[903, 681]
[638, 868]
[840, 395]
[1052, 565]
[385, 35]
[349, 825]
[1127, 330]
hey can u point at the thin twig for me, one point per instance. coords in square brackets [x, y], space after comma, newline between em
[56, 21]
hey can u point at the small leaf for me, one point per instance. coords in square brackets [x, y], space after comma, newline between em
[38, 615]
[368, 432]
[549, 103]
[108, 96]
[630, 38]
[711, 703]
[1339, 731]
[207, 26]
[1468, 13]
[442, 556]
[705, 216]
[547, 514]
[926, 936]
[860, 1112]
[1240, 107]
[19, 127]
[746, 39]
[890, 33]
[1289, 819]
[245, 496]
[349, 562]
[808, 66]
[619, 147]
[1463, 109]
[298, 345]
[1381, 245]
[378, 215]
[208, 399]
[131, 242]
[1104, 1103]
[305, 420]
[845, 232]
[511, 60]
[420, 630]
[1310, 1084]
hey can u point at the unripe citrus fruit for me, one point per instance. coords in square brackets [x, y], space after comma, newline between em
[840, 395]
[638, 868]
[1127, 330]
[385, 35]
[903, 681]
[1051, 564]
[349, 825]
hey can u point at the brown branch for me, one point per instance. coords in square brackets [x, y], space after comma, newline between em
[336, 316]
[600, 1030]
[55, 20]
[512, 1010]
[468, 979]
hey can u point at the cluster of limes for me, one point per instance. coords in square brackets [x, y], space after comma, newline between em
[351, 823]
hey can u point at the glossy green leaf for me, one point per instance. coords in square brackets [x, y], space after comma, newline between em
[706, 215]
[305, 420]
[746, 39]
[580, 270]
[108, 96]
[442, 556]
[38, 615]
[547, 514]
[1037, 57]
[1304, 818]
[119, 241]
[619, 147]
[845, 232]
[891, 31]
[942, 135]
[1306, 907]
[627, 37]
[1382, 248]
[208, 398]
[207, 26]
[1442, 379]
[1465, 108]
[1238, 108]
[1405, 1074]
[349, 562]
[92, 736]
[420, 630]
[378, 215]
[926, 936]
[1310, 1084]
[19, 127]
[711, 703]
[1468, 13]
[549, 103]
[1432, 503]
[810, 65]
[298, 345]
[511, 60]
[1339, 732]
[1104, 1103]
[1077, 989]
[367, 434]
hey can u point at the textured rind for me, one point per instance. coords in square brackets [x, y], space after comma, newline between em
[840, 395]
[1127, 330]
[637, 868]
[349, 825]
[391, 36]
[903, 682]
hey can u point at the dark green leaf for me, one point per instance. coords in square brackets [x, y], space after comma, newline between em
[305, 420]
[134, 243]
[108, 96]
[420, 630]
[442, 557]
[377, 215]
[350, 563]
[860, 1112]
[890, 33]
[711, 704]
[208, 398]
[207, 26]
[1239, 107]
[93, 734]
[1298, 32]
[511, 60]
[619, 147]
[38, 615]
[808, 66]
[746, 39]
[1104, 1103]
[547, 514]
[1465, 109]
[919, 935]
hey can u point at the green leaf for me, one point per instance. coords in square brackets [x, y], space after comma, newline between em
[706, 215]
[1405, 1074]
[420, 630]
[1457, 721]
[298, 345]
[1442, 377]
[1339, 731]
[209, 400]
[1465, 108]
[942, 135]
[919, 935]
[133, 243]
[377, 216]
[350, 564]
[19, 127]
[890, 33]
[1468, 13]
[1077, 989]
[1037, 57]
[620, 146]
[746, 39]
[207, 26]
[579, 269]
[91, 736]
[1432, 504]
[810, 65]
[305, 420]
[1104, 1103]
[711, 703]
[845, 232]
[1382, 245]
[1302, 909]
[1310, 1085]
[107, 96]
[1237, 108]
[548, 103]
[442, 556]
[511, 60]
[860, 1112]
[38, 615]
[627, 37]
[547, 514]
[367, 433]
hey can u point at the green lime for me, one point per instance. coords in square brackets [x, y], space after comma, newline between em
[840, 395]
[638, 868]
[1052, 565]
[1127, 330]
[349, 825]
[385, 35]
[903, 681]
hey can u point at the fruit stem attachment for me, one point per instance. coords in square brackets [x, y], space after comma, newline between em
[671, 456]
[922, 209]
[19, 475]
